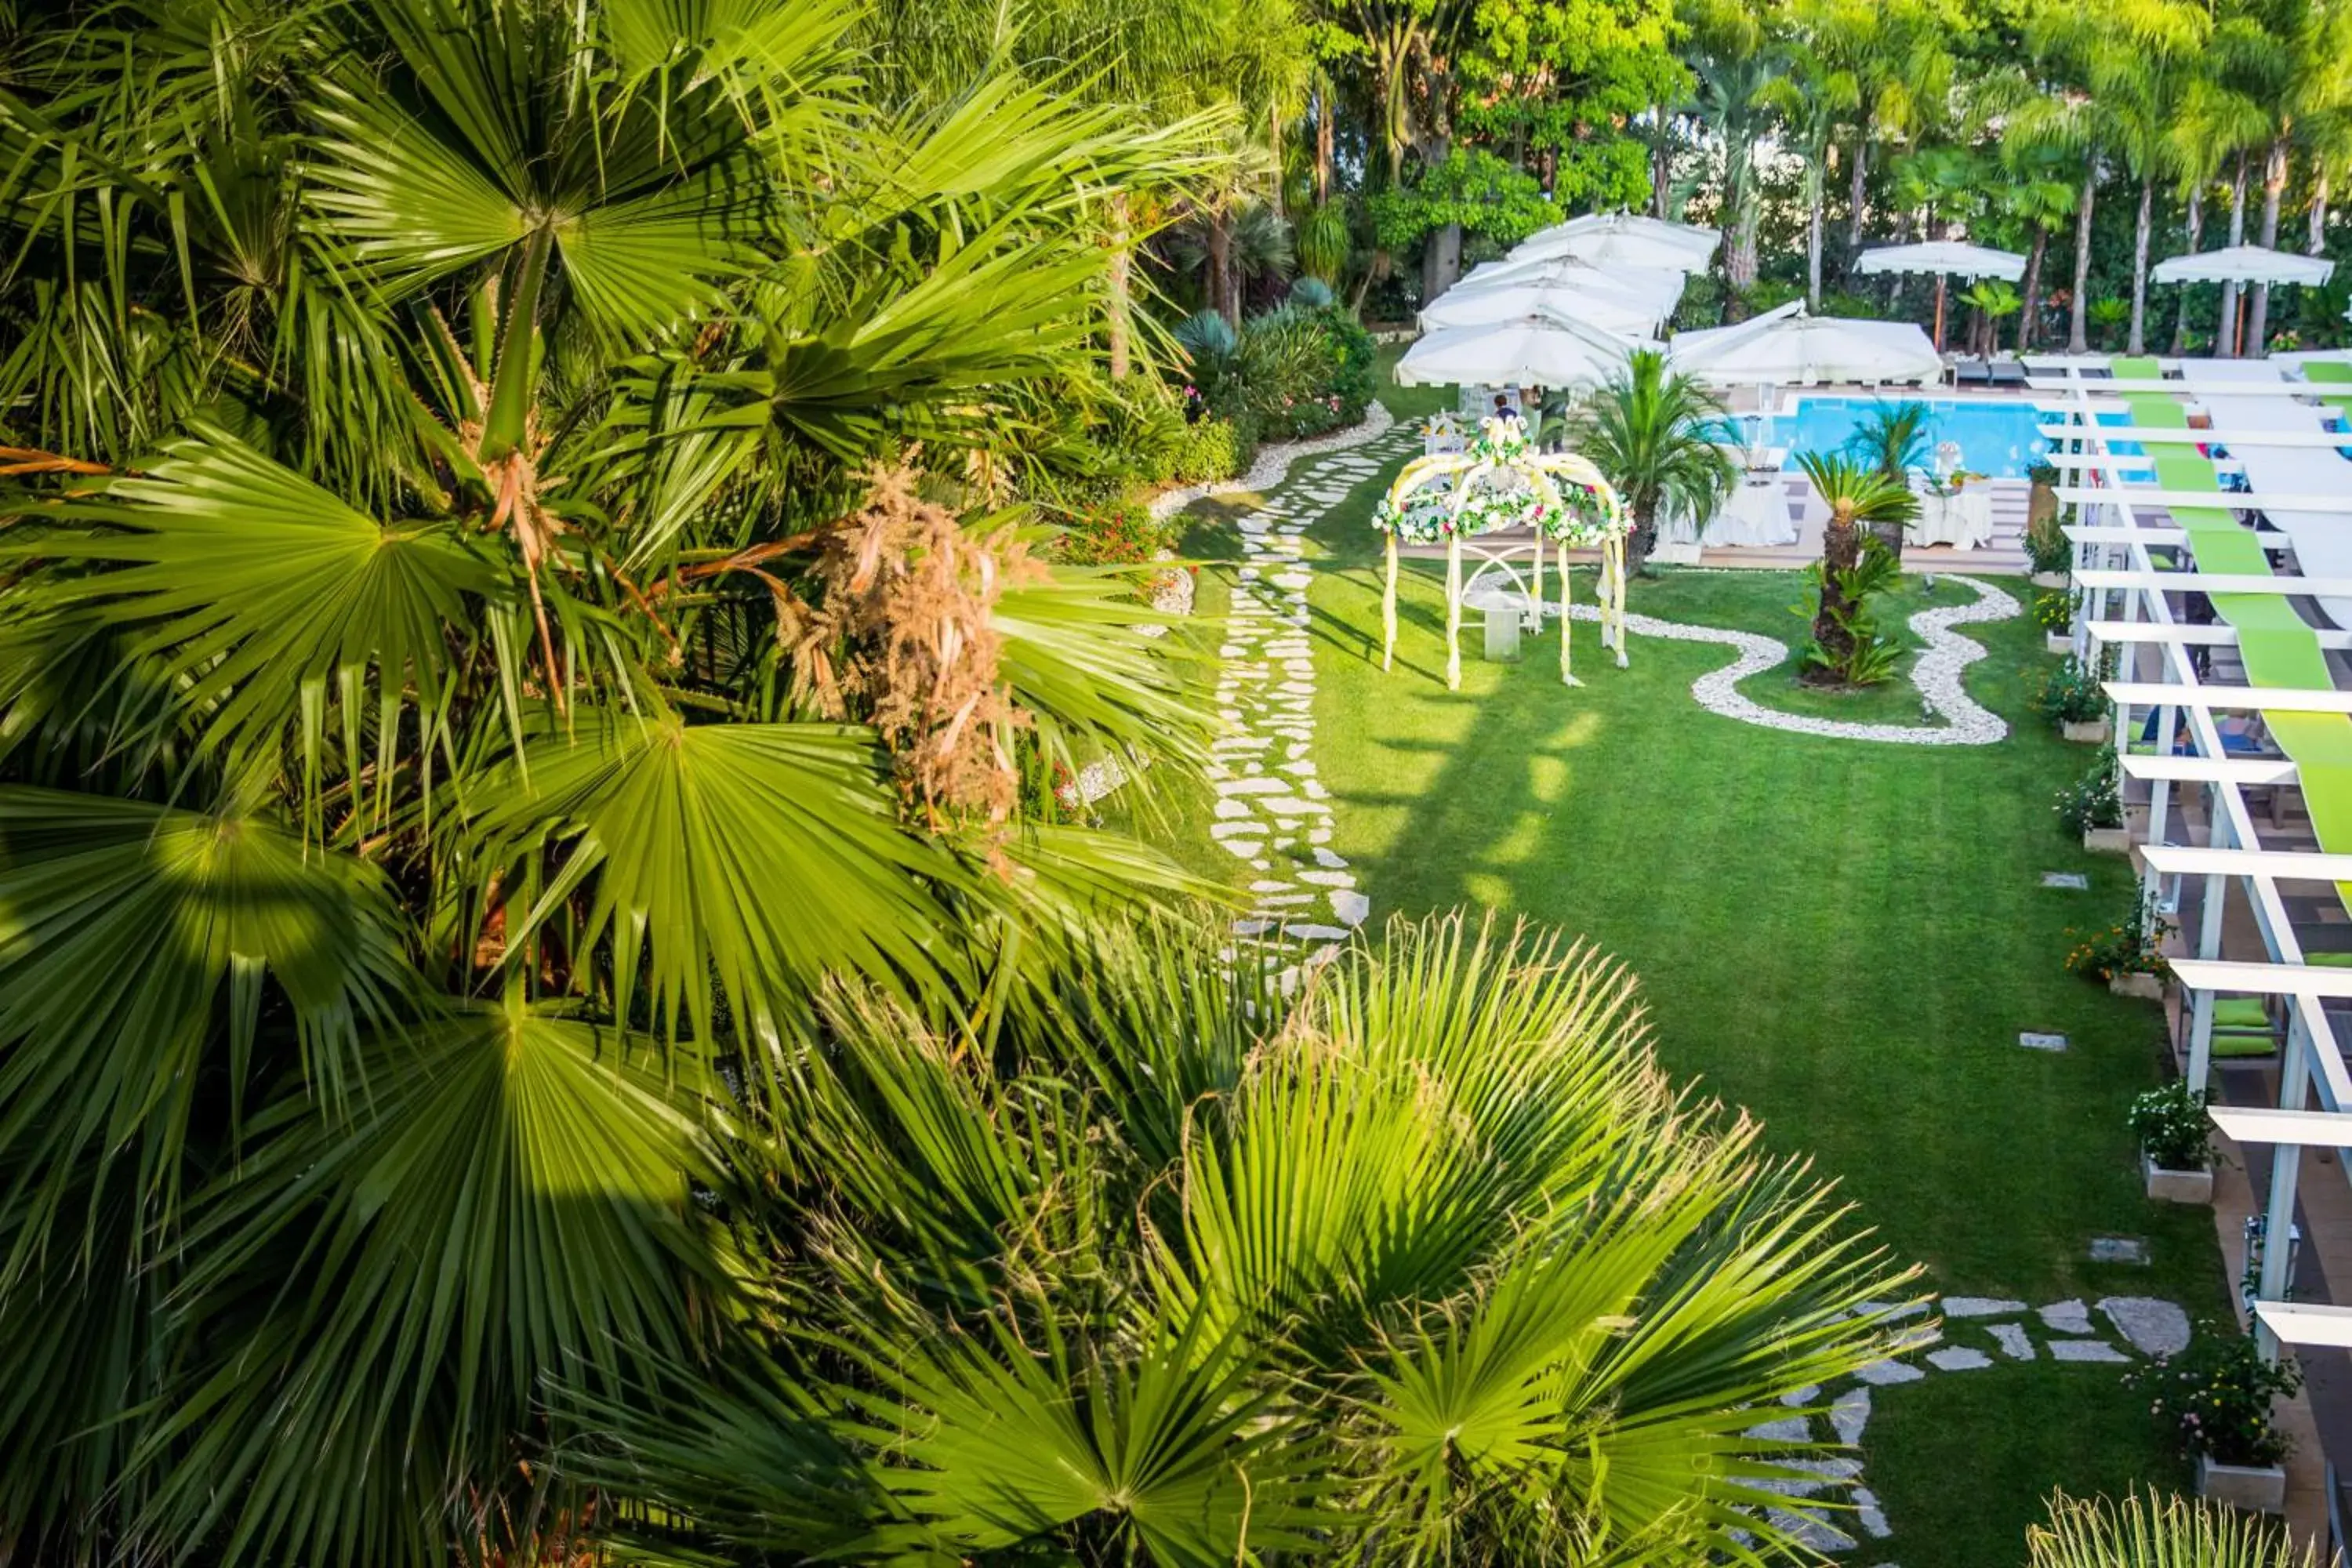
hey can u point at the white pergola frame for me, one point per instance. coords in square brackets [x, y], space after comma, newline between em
[2125, 604]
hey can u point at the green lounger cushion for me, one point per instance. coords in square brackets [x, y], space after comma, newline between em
[2330, 960]
[2243, 1045]
[2240, 1012]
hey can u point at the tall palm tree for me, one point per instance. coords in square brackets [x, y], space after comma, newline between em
[510, 595]
[1735, 93]
[1657, 433]
[2159, 1532]
[1810, 98]
[1859, 495]
[1429, 1264]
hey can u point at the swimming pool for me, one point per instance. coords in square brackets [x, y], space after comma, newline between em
[2000, 438]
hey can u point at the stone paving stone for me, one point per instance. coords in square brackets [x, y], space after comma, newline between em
[2086, 1350]
[2153, 1327]
[1958, 1358]
[2014, 1341]
[2118, 1249]
[1881, 1373]
[1981, 1307]
[2033, 1041]
[2073, 881]
[2067, 1317]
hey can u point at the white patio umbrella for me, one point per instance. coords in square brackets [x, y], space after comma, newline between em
[2242, 264]
[1626, 239]
[1787, 347]
[1659, 289]
[1945, 259]
[1619, 314]
[1530, 351]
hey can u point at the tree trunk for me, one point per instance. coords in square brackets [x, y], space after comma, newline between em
[1441, 261]
[1640, 541]
[1121, 260]
[2078, 340]
[1857, 194]
[1224, 298]
[2195, 227]
[1323, 144]
[1662, 162]
[1841, 549]
[2316, 243]
[1274, 150]
[2225, 340]
[2274, 186]
[2026, 322]
[2139, 264]
[1813, 192]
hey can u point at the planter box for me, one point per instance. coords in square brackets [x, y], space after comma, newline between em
[2050, 579]
[2256, 1488]
[2094, 732]
[2177, 1187]
[2107, 840]
[2146, 987]
[2059, 643]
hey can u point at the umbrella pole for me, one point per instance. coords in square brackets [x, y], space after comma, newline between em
[1939, 313]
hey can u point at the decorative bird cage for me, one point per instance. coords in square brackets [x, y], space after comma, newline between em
[1499, 483]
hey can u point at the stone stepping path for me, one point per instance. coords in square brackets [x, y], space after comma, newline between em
[1974, 1333]
[1272, 811]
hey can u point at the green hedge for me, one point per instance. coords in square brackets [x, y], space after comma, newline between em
[1212, 449]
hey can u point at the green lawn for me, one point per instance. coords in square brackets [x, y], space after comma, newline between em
[1845, 938]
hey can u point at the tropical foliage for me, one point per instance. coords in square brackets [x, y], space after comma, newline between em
[1848, 645]
[1655, 434]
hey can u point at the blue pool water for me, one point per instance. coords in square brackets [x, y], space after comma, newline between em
[2002, 439]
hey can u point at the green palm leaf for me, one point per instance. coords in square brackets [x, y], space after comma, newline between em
[513, 1203]
[264, 597]
[133, 937]
[991, 1443]
[748, 860]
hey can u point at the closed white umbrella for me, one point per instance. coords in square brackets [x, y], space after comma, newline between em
[2242, 264]
[1532, 350]
[1626, 238]
[1617, 314]
[1789, 347]
[1945, 259]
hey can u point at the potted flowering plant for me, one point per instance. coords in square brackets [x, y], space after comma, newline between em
[2093, 807]
[2127, 954]
[2074, 698]
[2175, 1144]
[2053, 612]
[2215, 1400]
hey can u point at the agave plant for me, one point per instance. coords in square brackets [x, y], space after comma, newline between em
[2159, 1532]
[507, 596]
[1428, 1263]
[1656, 432]
[1858, 498]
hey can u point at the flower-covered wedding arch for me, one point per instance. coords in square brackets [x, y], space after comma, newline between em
[1500, 482]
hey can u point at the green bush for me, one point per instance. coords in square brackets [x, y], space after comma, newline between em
[1301, 372]
[2216, 1397]
[2053, 609]
[2172, 1128]
[1211, 448]
[1121, 532]
[2094, 800]
[2071, 694]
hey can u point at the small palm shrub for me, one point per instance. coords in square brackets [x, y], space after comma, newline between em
[2172, 1127]
[2214, 1398]
[1864, 653]
[1310, 294]
[1301, 372]
[2158, 1531]
[1323, 244]
[2132, 945]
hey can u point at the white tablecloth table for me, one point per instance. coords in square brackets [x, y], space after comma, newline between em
[1963, 521]
[1755, 513]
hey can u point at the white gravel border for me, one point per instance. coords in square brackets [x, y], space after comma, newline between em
[1937, 674]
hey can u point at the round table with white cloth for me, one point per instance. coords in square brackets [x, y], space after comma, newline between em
[1755, 513]
[1963, 521]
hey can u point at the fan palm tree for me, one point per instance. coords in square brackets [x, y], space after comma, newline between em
[1892, 440]
[1859, 495]
[2158, 1531]
[1429, 1264]
[1657, 434]
[512, 589]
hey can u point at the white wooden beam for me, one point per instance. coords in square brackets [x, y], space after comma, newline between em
[2272, 700]
[2172, 435]
[2249, 773]
[2300, 1323]
[2264, 979]
[2312, 1129]
[2277, 865]
[2217, 634]
[2092, 533]
[2216, 583]
[2209, 501]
